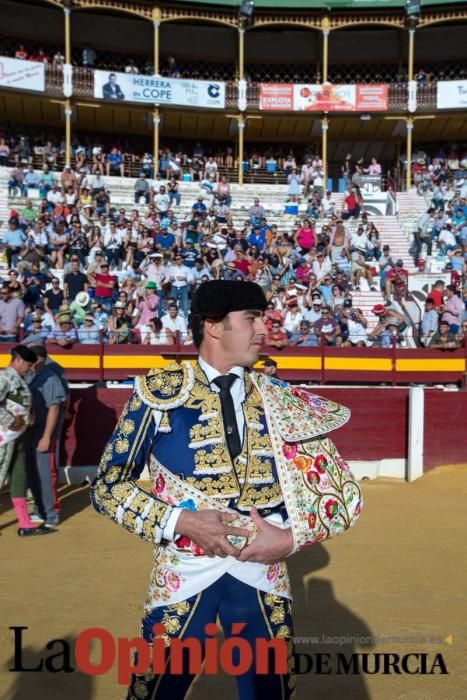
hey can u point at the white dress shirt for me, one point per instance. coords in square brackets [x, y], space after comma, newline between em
[238, 395]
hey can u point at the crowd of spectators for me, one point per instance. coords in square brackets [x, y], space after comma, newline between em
[296, 164]
[443, 166]
[81, 270]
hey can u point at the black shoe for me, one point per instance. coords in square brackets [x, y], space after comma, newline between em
[31, 531]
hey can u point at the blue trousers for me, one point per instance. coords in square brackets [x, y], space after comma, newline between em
[266, 616]
[180, 294]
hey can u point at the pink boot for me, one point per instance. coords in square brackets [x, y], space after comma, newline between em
[24, 521]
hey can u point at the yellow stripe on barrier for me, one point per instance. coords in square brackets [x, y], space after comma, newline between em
[77, 361]
[5, 360]
[297, 363]
[361, 364]
[442, 365]
[135, 361]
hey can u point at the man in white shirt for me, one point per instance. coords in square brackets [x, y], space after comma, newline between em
[181, 279]
[447, 239]
[322, 266]
[162, 202]
[113, 239]
[173, 321]
[359, 239]
[154, 271]
[54, 195]
[210, 169]
[98, 183]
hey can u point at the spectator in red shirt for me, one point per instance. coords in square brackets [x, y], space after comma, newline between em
[105, 285]
[303, 270]
[271, 315]
[40, 57]
[21, 53]
[241, 263]
[276, 337]
[352, 206]
[397, 276]
[437, 293]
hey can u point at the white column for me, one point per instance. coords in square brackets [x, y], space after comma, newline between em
[416, 431]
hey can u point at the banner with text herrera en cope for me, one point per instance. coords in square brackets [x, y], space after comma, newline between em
[153, 89]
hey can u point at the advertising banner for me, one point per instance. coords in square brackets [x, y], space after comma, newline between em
[371, 98]
[323, 98]
[22, 75]
[149, 89]
[452, 94]
[276, 97]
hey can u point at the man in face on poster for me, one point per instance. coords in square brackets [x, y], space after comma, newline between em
[220, 513]
[112, 91]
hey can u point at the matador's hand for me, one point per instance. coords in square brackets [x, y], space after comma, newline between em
[18, 423]
[208, 529]
[272, 544]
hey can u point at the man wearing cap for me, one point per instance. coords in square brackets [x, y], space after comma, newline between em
[154, 271]
[15, 416]
[165, 240]
[304, 337]
[64, 333]
[386, 315]
[397, 277]
[212, 440]
[48, 402]
[88, 333]
[36, 329]
[313, 313]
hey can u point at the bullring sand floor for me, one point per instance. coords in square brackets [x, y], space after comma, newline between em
[400, 572]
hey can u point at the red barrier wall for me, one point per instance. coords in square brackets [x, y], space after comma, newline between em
[378, 426]
[445, 439]
[376, 430]
[94, 413]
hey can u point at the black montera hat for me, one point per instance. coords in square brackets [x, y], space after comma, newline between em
[24, 352]
[217, 298]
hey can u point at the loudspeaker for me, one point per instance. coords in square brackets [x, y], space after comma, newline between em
[246, 8]
[413, 7]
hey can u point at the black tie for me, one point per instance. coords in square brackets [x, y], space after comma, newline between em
[224, 382]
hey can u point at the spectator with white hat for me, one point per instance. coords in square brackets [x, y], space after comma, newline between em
[79, 307]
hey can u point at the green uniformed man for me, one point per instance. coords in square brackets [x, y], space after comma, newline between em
[15, 417]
